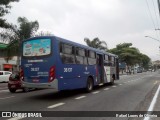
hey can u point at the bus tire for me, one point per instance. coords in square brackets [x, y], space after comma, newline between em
[89, 85]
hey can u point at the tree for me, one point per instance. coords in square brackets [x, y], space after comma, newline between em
[130, 55]
[145, 61]
[126, 53]
[96, 43]
[4, 9]
[15, 35]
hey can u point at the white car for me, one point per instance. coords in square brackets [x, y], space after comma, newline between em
[4, 76]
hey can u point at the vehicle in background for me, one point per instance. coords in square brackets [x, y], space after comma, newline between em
[4, 76]
[139, 70]
[15, 83]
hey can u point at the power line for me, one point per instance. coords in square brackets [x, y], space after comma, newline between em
[158, 2]
[151, 16]
[156, 17]
[155, 13]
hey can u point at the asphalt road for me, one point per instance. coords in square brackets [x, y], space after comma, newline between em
[131, 93]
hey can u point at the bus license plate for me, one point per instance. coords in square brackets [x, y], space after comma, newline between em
[35, 80]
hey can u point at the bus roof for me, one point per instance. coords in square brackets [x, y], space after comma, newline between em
[75, 44]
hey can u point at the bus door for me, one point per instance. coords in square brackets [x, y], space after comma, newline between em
[100, 69]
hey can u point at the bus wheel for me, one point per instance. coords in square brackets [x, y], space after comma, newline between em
[89, 86]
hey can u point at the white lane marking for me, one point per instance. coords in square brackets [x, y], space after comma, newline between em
[7, 97]
[4, 91]
[95, 92]
[106, 89]
[114, 86]
[80, 97]
[16, 118]
[120, 84]
[56, 105]
[151, 107]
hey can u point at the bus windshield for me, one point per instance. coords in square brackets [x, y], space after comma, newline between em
[37, 47]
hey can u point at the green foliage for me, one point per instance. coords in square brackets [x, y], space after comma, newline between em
[4, 9]
[124, 45]
[27, 29]
[130, 55]
[15, 35]
[96, 43]
[145, 61]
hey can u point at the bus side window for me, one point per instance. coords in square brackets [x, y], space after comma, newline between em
[85, 58]
[91, 58]
[106, 62]
[81, 56]
[114, 60]
[67, 49]
[60, 47]
[106, 57]
[109, 61]
[67, 53]
[80, 53]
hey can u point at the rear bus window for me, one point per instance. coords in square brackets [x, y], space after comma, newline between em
[37, 47]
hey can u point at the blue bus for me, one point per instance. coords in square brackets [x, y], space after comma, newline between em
[54, 62]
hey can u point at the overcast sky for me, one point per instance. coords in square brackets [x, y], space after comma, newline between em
[114, 21]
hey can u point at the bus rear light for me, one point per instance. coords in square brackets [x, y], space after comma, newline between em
[52, 73]
[21, 74]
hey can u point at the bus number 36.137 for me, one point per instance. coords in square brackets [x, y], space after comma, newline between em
[35, 69]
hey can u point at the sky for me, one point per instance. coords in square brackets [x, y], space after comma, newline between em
[112, 21]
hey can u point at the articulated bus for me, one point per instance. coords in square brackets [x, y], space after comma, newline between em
[54, 62]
